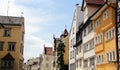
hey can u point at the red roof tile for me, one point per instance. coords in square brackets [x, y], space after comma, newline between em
[48, 51]
[98, 2]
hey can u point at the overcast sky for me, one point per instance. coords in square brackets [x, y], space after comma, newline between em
[43, 18]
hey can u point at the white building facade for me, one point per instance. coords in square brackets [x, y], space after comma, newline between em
[89, 9]
[72, 39]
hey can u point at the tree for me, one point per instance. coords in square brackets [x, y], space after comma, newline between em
[60, 58]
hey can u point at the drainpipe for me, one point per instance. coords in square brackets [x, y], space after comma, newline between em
[116, 26]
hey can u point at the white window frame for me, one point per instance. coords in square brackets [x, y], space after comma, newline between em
[110, 34]
[80, 62]
[106, 14]
[98, 22]
[110, 56]
[98, 39]
[99, 59]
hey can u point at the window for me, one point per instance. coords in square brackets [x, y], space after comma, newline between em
[7, 32]
[11, 46]
[109, 34]
[73, 53]
[1, 46]
[98, 38]
[92, 62]
[80, 49]
[90, 27]
[99, 59]
[91, 44]
[98, 23]
[77, 51]
[7, 63]
[105, 14]
[71, 43]
[73, 30]
[86, 63]
[86, 48]
[47, 59]
[80, 62]
[77, 64]
[111, 56]
[47, 65]
[119, 30]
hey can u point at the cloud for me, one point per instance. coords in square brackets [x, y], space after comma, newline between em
[42, 20]
[34, 47]
[34, 23]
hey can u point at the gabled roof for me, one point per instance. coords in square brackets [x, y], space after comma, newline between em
[97, 2]
[8, 57]
[48, 50]
[92, 2]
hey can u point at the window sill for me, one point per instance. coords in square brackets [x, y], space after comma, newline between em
[110, 39]
[98, 44]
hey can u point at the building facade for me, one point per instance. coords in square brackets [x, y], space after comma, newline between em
[72, 39]
[47, 58]
[65, 39]
[33, 64]
[11, 43]
[89, 7]
[105, 37]
[56, 42]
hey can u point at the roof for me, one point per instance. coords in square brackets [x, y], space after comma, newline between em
[8, 57]
[93, 2]
[65, 33]
[97, 2]
[11, 20]
[48, 50]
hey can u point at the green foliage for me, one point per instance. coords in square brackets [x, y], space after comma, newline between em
[60, 58]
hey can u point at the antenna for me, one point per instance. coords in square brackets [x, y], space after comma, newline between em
[8, 7]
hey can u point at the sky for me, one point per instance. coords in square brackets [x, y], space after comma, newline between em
[43, 18]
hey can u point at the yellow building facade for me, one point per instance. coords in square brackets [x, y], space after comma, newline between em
[11, 43]
[66, 53]
[105, 38]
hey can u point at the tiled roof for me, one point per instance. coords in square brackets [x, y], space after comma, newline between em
[48, 50]
[98, 2]
[8, 57]
[8, 20]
